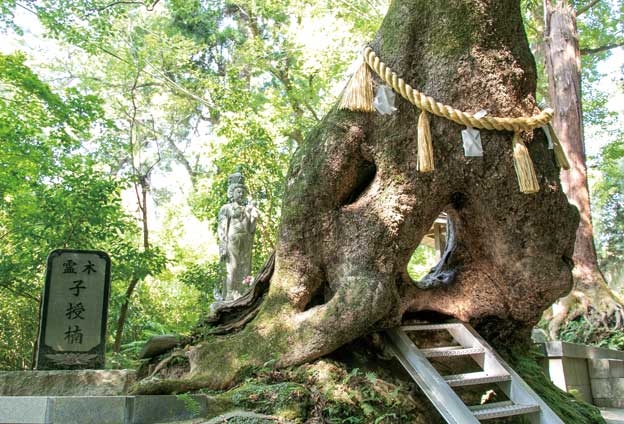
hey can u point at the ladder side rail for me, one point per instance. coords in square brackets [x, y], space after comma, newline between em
[520, 391]
[446, 401]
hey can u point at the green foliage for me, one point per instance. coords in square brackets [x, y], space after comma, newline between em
[287, 400]
[267, 90]
[609, 205]
[54, 196]
[583, 331]
[422, 260]
[205, 278]
[19, 329]
[326, 391]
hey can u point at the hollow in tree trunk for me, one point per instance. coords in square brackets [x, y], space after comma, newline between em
[356, 207]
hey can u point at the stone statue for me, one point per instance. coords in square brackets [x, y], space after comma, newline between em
[237, 224]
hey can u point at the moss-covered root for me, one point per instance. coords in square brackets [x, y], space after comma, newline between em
[153, 386]
[569, 408]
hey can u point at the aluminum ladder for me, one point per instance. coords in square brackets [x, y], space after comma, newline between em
[439, 389]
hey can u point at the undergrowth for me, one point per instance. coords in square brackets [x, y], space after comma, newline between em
[326, 391]
[584, 331]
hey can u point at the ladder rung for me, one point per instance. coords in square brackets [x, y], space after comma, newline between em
[501, 409]
[441, 352]
[431, 327]
[473, 378]
[499, 404]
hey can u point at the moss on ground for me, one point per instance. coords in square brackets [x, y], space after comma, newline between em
[569, 408]
[287, 400]
[328, 390]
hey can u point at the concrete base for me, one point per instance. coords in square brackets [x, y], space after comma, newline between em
[105, 409]
[66, 383]
[595, 375]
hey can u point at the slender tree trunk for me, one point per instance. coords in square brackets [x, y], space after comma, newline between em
[123, 312]
[591, 295]
[356, 206]
[143, 205]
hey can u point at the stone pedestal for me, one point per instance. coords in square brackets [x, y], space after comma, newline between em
[66, 383]
[105, 409]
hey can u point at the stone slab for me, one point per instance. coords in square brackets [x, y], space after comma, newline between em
[616, 368]
[88, 410]
[558, 349]
[24, 410]
[66, 383]
[617, 387]
[575, 370]
[158, 409]
[598, 368]
[609, 403]
[601, 388]
[108, 409]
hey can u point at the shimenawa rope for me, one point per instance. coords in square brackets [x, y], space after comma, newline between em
[358, 97]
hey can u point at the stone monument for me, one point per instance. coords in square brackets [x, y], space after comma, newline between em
[236, 228]
[72, 331]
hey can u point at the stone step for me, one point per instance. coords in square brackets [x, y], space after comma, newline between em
[106, 409]
[66, 383]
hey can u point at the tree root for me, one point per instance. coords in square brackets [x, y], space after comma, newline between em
[601, 310]
[165, 362]
[232, 316]
[153, 386]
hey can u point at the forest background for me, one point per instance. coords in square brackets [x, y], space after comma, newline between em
[120, 121]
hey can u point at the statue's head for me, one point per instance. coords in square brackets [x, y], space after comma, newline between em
[237, 191]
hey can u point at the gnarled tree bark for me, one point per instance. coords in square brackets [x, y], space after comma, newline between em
[356, 207]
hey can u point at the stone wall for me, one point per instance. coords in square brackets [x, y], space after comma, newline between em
[607, 382]
[594, 375]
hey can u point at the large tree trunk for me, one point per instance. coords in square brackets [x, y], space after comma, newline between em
[356, 207]
[591, 296]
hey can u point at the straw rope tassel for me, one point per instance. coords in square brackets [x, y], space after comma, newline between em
[560, 156]
[524, 166]
[425, 147]
[358, 96]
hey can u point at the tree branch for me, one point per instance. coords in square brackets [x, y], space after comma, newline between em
[601, 48]
[23, 294]
[586, 7]
[26, 8]
[116, 3]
